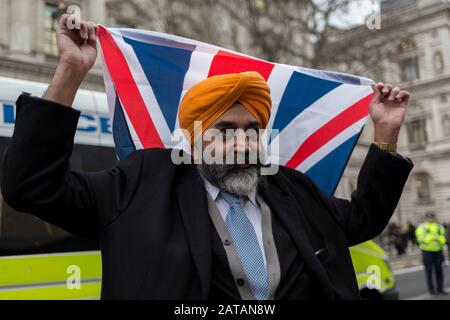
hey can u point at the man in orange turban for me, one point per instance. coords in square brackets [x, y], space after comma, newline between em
[211, 231]
[209, 99]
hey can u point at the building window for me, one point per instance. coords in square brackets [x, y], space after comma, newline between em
[417, 134]
[407, 45]
[446, 125]
[260, 5]
[423, 188]
[52, 12]
[438, 62]
[409, 69]
[25, 234]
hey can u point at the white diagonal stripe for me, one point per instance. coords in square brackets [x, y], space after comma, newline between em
[277, 82]
[328, 147]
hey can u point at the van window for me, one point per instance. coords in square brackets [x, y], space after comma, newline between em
[25, 234]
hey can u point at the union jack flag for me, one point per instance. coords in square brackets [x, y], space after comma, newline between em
[319, 114]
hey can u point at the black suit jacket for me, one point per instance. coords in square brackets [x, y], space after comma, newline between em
[151, 215]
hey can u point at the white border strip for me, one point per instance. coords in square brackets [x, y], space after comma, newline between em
[109, 87]
[278, 81]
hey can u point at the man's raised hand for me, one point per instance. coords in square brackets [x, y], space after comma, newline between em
[387, 110]
[77, 45]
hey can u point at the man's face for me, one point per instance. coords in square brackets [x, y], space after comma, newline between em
[235, 132]
[233, 139]
[430, 219]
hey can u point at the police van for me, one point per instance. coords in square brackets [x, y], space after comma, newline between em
[41, 261]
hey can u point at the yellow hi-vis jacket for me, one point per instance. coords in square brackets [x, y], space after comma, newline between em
[430, 236]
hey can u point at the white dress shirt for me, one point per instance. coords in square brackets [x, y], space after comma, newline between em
[250, 206]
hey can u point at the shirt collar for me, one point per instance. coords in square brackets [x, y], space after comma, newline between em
[214, 192]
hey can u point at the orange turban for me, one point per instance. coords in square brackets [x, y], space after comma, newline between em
[209, 99]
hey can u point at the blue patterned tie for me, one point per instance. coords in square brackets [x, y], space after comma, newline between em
[247, 246]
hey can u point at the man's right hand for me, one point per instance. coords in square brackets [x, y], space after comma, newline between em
[77, 54]
[76, 47]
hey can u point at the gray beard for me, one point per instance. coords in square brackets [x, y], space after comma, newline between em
[232, 179]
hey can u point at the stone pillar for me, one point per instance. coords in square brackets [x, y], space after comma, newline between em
[436, 118]
[4, 39]
[20, 28]
[95, 11]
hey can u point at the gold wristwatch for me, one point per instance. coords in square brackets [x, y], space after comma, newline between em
[389, 147]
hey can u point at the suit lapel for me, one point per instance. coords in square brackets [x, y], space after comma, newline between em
[293, 219]
[191, 197]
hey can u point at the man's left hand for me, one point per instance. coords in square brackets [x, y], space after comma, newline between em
[387, 110]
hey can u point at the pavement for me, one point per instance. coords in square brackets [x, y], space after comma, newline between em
[410, 260]
[412, 286]
[410, 277]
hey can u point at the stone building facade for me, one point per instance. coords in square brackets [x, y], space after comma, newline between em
[27, 35]
[418, 34]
